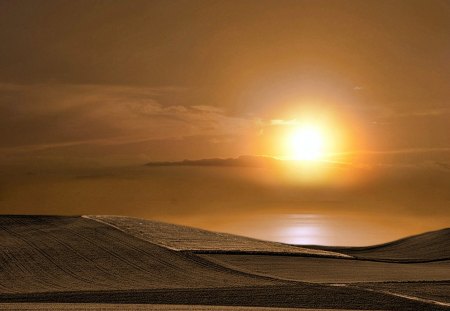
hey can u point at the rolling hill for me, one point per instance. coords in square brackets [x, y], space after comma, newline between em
[86, 260]
[57, 254]
[429, 246]
[184, 238]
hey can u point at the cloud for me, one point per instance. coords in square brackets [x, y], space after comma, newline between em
[443, 165]
[284, 122]
[388, 113]
[396, 151]
[36, 117]
[242, 161]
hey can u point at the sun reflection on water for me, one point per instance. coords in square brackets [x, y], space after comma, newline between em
[303, 229]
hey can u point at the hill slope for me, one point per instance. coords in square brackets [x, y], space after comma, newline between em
[184, 238]
[333, 270]
[429, 246]
[78, 260]
[45, 253]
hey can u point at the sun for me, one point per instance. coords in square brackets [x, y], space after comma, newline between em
[306, 143]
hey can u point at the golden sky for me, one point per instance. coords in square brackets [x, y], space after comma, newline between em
[103, 84]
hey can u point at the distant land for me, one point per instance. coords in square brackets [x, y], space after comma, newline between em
[241, 161]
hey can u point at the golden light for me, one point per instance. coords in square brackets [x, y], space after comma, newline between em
[306, 142]
[315, 148]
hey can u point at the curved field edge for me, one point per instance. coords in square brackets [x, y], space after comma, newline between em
[426, 247]
[183, 238]
[331, 270]
[435, 291]
[53, 254]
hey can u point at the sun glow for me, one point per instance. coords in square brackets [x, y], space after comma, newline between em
[306, 143]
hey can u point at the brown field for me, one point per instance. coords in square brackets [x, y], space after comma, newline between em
[138, 307]
[119, 263]
[427, 247]
[183, 238]
[331, 270]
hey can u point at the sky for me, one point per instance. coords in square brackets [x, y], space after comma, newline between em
[91, 91]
